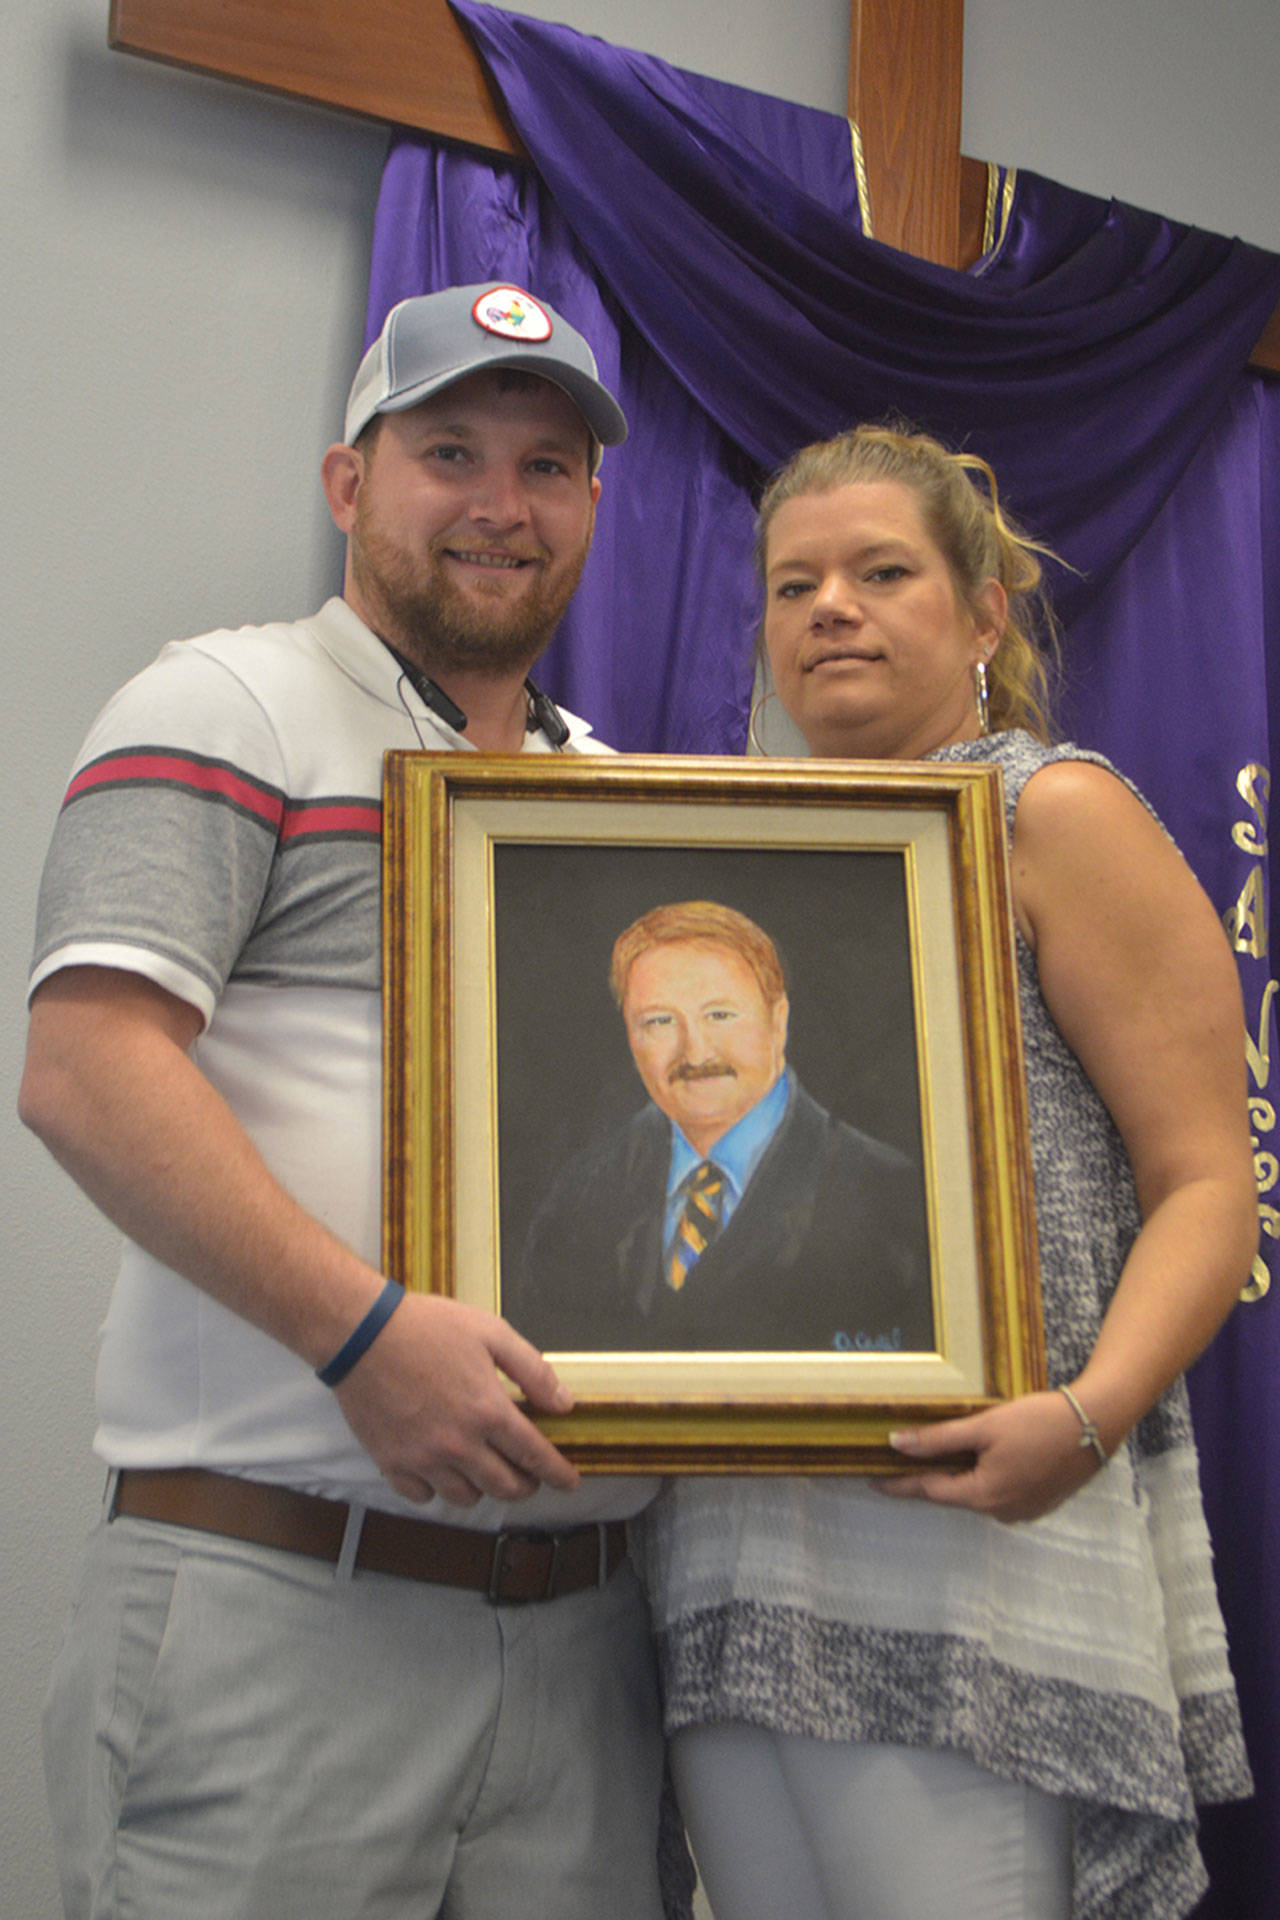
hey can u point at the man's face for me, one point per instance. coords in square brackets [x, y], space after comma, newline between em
[705, 1041]
[470, 524]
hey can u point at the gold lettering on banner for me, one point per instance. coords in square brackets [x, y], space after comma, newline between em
[1258, 1054]
[1258, 1285]
[1254, 785]
[1246, 925]
[1246, 922]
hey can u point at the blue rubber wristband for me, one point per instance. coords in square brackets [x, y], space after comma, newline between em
[363, 1337]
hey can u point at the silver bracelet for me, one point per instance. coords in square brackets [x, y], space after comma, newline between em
[1089, 1435]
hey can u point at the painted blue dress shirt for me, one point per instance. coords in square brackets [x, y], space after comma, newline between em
[737, 1154]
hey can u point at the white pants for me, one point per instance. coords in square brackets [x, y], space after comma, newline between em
[825, 1830]
[235, 1733]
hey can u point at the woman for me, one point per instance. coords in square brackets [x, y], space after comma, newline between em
[995, 1694]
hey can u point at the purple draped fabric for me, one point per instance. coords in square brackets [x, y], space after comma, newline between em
[1089, 377]
[708, 243]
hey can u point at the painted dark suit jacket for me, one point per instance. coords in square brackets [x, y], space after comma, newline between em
[827, 1248]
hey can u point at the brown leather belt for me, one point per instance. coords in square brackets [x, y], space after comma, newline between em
[519, 1565]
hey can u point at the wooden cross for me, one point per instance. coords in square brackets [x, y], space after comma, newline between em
[410, 63]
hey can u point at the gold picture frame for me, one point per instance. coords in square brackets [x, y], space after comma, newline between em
[507, 1073]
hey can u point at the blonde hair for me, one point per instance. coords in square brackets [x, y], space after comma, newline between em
[706, 923]
[960, 505]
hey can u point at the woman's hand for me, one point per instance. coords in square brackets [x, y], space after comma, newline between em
[1028, 1459]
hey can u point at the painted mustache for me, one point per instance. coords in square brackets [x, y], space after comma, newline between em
[713, 1070]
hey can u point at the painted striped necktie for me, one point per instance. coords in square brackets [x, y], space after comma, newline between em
[698, 1224]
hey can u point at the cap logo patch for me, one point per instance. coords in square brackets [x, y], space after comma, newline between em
[512, 313]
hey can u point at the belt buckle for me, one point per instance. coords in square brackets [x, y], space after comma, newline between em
[494, 1593]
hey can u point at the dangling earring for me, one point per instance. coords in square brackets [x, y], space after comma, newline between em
[980, 695]
[757, 708]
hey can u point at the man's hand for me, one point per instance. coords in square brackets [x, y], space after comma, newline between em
[428, 1403]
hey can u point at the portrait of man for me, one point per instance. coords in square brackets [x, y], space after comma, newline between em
[732, 1211]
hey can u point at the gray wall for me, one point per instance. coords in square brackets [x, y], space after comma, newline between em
[184, 265]
[1169, 104]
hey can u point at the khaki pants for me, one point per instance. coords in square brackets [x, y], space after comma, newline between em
[235, 1733]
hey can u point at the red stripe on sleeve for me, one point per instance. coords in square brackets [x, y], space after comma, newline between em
[338, 816]
[143, 769]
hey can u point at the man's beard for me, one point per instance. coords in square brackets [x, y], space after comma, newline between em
[418, 608]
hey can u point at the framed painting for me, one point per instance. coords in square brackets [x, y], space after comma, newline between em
[707, 1075]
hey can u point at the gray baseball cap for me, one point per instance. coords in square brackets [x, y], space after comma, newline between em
[429, 342]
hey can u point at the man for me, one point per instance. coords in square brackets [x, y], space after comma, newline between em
[293, 1686]
[733, 1212]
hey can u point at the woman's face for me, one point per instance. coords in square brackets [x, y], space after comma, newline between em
[871, 649]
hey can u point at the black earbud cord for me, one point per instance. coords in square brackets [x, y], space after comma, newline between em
[543, 711]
